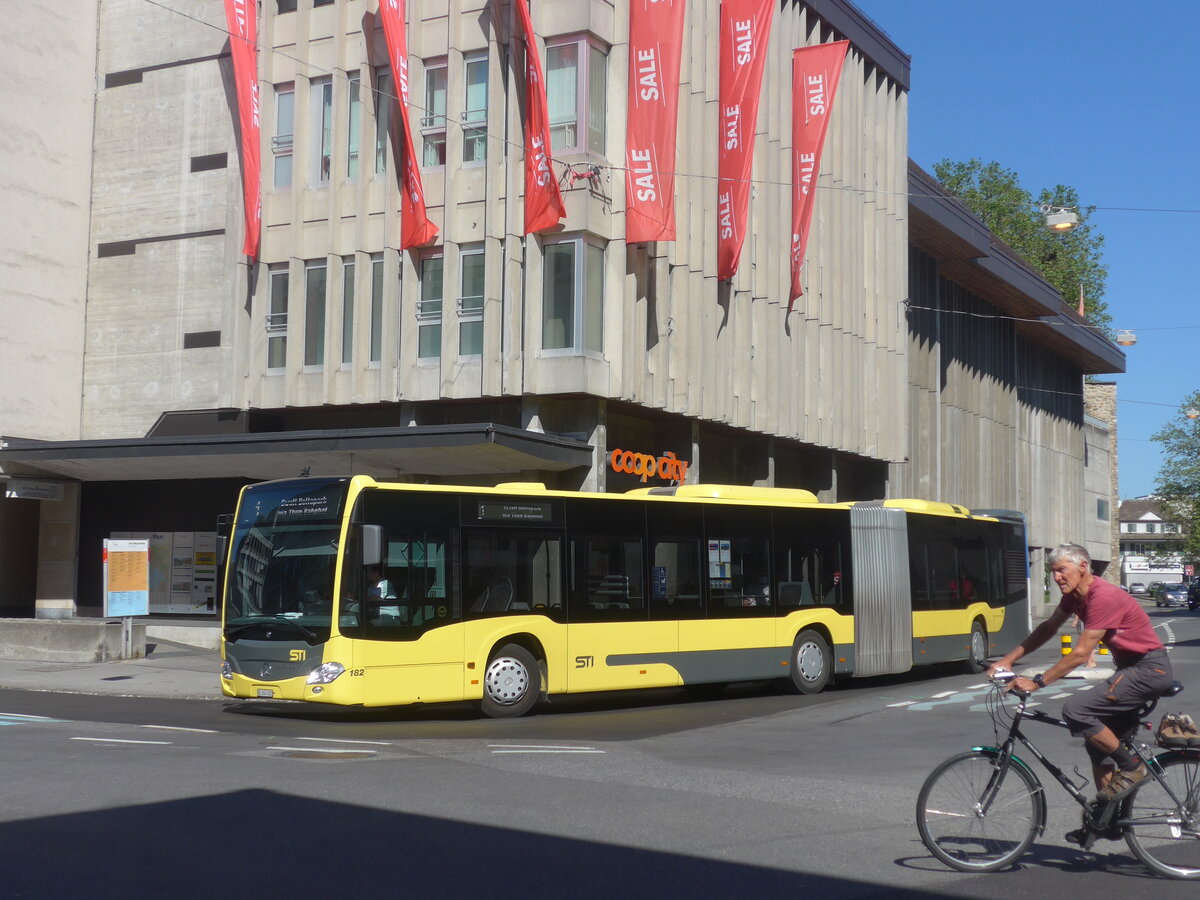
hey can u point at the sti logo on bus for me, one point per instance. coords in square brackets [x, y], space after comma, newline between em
[297, 655]
[585, 662]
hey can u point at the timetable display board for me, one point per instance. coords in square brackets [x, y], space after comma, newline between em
[126, 578]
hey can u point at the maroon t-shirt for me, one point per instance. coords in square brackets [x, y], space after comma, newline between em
[1127, 628]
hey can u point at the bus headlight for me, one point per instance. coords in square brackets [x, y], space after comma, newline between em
[325, 673]
[226, 670]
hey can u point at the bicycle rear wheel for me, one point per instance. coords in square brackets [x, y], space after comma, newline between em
[966, 837]
[1162, 834]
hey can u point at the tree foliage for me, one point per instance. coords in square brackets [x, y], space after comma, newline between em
[1014, 215]
[1179, 477]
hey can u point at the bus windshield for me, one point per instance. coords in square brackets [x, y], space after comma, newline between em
[283, 556]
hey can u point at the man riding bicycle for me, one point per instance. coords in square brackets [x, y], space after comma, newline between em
[1101, 717]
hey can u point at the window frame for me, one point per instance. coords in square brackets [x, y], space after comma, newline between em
[584, 99]
[385, 102]
[475, 119]
[587, 302]
[283, 143]
[353, 125]
[470, 315]
[276, 319]
[429, 319]
[315, 310]
[433, 124]
[348, 277]
[375, 341]
[321, 139]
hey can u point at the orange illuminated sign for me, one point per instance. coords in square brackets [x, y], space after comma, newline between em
[666, 467]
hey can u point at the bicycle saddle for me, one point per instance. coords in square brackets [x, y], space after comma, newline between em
[1174, 688]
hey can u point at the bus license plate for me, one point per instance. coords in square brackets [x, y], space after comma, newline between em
[266, 693]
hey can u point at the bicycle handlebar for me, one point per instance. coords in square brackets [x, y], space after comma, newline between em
[1003, 679]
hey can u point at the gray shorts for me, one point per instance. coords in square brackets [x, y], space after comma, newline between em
[1115, 703]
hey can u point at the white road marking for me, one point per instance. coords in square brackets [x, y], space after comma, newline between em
[181, 728]
[540, 748]
[581, 750]
[314, 750]
[345, 741]
[117, 741]
[975, 687]
[902, 703]
[943, 694]
[26, 716]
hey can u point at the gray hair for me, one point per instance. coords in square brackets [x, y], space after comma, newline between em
[1071, 553]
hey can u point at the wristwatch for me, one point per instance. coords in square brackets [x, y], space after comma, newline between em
[1038, 680]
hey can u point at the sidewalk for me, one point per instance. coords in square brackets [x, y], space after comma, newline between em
[169, 670]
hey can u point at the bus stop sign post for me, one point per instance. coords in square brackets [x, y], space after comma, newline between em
[126, 585]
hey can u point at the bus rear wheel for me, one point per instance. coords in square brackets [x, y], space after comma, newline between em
[512, 683]
[811, 663]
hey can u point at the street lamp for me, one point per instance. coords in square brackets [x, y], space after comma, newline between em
[1192, 413]
[1060, 219]
[1126, 338]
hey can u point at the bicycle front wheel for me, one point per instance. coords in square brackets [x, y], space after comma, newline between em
[978, 816]
[1163, 828]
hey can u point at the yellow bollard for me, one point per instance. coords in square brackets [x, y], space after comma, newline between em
[1103, 649]
[1066, 645]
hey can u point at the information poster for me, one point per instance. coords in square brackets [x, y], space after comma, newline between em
[182, 569]
[126, 578]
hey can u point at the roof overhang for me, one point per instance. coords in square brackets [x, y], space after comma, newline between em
[970, 255]
[452, 450]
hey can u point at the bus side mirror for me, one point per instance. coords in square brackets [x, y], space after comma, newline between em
[222, 549]
[372, 544]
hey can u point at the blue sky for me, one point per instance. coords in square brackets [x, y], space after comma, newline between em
[1098, 95]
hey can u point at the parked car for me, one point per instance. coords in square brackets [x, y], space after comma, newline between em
[1137, 588]
[1171, 593]
[1194, 594]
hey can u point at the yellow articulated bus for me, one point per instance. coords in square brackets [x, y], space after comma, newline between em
[351, 591]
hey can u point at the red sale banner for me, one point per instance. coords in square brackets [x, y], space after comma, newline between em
[745, 28]
[415, 227]
[655, 49]
[815, 75]
[243, 34]
[543, 200]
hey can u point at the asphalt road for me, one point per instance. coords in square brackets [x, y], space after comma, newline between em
[751, 794]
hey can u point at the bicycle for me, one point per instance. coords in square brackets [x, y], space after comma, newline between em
[981, 810]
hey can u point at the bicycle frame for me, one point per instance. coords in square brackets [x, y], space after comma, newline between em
[1107, 811]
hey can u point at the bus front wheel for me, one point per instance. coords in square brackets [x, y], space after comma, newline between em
[812, 662]
[512, 682]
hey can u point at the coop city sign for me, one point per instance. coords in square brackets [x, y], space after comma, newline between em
[666, 467]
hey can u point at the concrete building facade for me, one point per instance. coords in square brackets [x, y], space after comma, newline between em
[490, 355]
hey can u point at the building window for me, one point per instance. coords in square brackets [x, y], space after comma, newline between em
[347, 310]
[314, 312]
[376, 308]
[433, 122]
[470, 303]
[353, 126]
[284, 6]
[277, 317]
[285, 125]
[576, 87]
[1151, 528]
[474, 114]
[385, 99]
[322, 3]
[1101, 510]
[322, 129]
[429, 309]
[573, 296]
